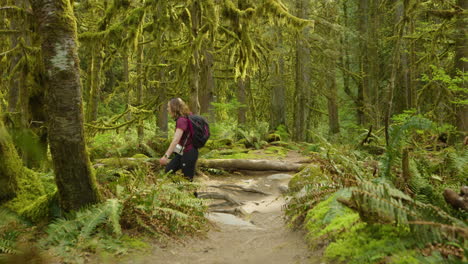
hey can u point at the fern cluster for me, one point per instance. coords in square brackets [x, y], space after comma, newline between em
[383, 203]
[11, 226]
[165, 209]
[84, 224]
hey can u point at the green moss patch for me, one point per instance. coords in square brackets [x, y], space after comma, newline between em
[365, 243]
[329, 218]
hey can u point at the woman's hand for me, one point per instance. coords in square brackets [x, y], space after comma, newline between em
[163, 161]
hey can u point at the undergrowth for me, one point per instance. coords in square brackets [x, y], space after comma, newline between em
[361, 209]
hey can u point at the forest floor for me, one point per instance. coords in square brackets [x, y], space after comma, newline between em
[255, 233]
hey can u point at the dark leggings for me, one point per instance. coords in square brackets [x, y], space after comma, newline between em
[185, 162]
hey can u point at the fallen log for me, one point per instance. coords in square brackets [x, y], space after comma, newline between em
[224, 164]
[246, 164]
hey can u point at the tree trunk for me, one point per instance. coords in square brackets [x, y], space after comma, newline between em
[95, 84]
[278, 87]
[10, 163]
[75, 179]
[139, 90]
[303, 72]
[162, 118]
[373, 63]
[194, 79]
[461, 63]
[242, 99]
[207, 85]
[126, 79]
[363, 62]
[14, 86]
[333, 121]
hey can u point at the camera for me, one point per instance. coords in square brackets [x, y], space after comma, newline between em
[179, 149]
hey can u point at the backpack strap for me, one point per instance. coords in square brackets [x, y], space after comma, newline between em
[190, 125]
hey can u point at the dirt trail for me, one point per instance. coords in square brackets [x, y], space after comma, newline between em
[256, 233]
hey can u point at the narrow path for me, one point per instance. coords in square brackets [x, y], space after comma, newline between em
[255, 233]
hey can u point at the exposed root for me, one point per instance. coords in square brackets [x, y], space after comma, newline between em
[214, 195]
[238, 188]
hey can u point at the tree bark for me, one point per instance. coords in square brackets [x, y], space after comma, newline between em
[242, 99]
[9, 164]
[95, 84]
[278, 93]
[162, 119]
[139, 90]
[333, 120]
[362, 95]
[207, 85]
[194, 79]
[461, 63]
[75, 179]
[303, 72]
[14, 86]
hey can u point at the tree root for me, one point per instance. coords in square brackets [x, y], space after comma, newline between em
[214, 195]
[238, 188]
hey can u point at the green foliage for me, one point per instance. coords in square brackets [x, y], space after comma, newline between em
[382, 203]
[399, 134]
[366, 243]
[283, 132]
[329, 218]
[455, 84]
[164, 209]
[254, 136]
[224, 110]
[83, 230]
[307, 188]
[111, 144]
[11, 227]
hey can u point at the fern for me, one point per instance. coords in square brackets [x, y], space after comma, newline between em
[7, 246]
[384, 203]
[398, 134]
[81, 227]
[11, 226]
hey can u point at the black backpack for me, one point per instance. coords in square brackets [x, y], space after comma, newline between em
[199, 129]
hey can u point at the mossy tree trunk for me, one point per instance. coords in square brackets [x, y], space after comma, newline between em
[139, 89]
[15, 58]
[303, 80]
[362, 95]
[194, 73]
[207, 85]
[461, 61]
[73, 174]
[95, 88]
[9, 161]
[278, 88]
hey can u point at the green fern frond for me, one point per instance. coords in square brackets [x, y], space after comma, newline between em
[7, 246]
[89, 220]
[114, 211]
[384, 203]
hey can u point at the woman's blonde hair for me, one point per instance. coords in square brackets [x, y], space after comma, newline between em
[178, 108]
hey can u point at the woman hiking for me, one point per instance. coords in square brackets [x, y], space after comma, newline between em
[185, 154]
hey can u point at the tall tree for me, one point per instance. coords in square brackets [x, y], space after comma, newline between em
[194, 79]
[303, 79]
[73, 174]
[461, 61]
[362, 94]
[278, 85]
